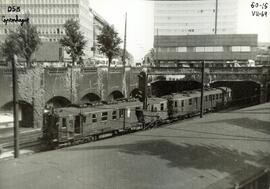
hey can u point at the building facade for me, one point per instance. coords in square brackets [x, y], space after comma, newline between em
[190, 50]
[190, 31]
[195, 17]
[49, 17]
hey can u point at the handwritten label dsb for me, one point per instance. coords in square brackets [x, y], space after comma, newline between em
[15, 18]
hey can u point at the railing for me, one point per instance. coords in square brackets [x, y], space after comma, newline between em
[225, 70]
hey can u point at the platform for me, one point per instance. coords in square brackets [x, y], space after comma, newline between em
[218, 151]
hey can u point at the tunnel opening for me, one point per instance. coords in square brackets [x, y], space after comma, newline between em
[243, 92]
[25, 113]
[134, 93]
[115, 95]
[90, 98]
[58, 102]
[161, 88]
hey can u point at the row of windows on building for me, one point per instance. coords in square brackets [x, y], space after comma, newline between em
[192, 30]
[205, 49]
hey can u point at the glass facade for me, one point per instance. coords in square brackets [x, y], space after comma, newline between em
[49, 17]
[195, 17]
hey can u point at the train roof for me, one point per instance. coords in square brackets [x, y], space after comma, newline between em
[154, 100]
[67, 111]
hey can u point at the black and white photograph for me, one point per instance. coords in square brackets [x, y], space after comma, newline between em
[134, 94]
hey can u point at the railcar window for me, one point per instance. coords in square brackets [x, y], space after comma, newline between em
[210, 97]
[161, 107]
[216, 96]
[114, 115]
[94, 118]
[182, 103]
[175, 104]
[206, 98]
[104, 116]
[220, 95]
[64, 122]
[152, 108]
[213, 97]
[190, 101]
[121, 113]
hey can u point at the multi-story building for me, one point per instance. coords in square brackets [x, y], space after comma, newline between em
[190, 31]
[49, 17]
[192, 17]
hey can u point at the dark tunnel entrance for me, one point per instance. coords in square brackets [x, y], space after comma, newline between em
[115, 95]
[90, 98]
[243, 92]
[58, 102]
[161, 88]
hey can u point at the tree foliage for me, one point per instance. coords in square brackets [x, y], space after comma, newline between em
[23, 42]
[74, 41]
[109, 43]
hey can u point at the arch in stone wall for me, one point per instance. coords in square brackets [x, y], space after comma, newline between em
[115, 95]
[90, 97]
[25, 112]
[58, 102]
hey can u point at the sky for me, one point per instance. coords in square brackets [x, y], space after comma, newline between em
[140, 22]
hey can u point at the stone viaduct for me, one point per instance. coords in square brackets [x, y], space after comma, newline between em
[40, 87]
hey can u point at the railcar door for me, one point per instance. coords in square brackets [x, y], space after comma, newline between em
[66, 129]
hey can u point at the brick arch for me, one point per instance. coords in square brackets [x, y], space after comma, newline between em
[58, 101]
[90, 97]
[243, 91]
[115, 95]
[25, 112]
[134, 92]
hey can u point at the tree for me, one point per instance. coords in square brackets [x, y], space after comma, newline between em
[23, 42]
[109, 43]
[74, 41]
[10, 47]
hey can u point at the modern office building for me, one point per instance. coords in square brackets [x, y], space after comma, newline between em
[190, 31]
[49, 17]
[190, 50]
[195, 17]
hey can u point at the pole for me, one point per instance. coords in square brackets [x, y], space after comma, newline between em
[15, 107]
[202, 84]
[157, 50]
[124, 85]
[216, 16]
[124, 119]
[125, 41]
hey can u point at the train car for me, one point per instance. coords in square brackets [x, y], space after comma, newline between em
[71, 124]
[156, 112]
[227, 95]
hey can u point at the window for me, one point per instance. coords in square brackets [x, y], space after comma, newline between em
[161, 107]
[216, 96]
[199, 49]
[114, 115]
[152, 108]
[104, 116]
[213, 97]
[175, 104]
[190, 101]
[182, 103]
[236, 48]
[206, 98]
[181, 49]
[121, 113]
[210, 97]
[94, 118]
[64, 123]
